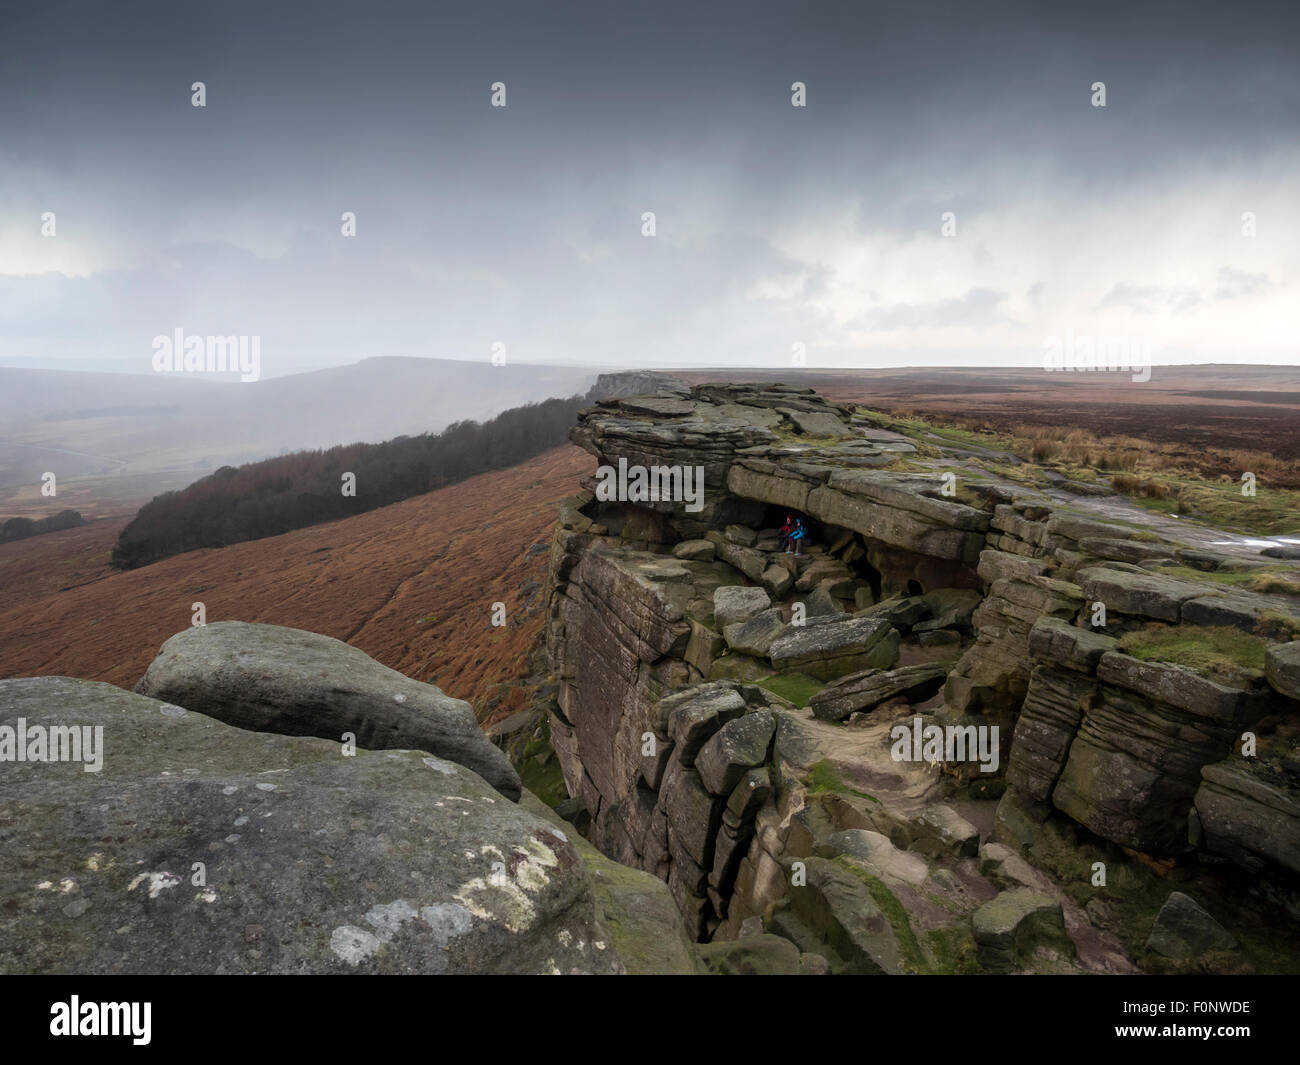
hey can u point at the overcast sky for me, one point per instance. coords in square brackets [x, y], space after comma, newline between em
[775, 225]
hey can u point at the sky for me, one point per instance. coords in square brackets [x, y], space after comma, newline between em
[1169, 216]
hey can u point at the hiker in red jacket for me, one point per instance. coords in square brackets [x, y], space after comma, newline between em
[785, 532]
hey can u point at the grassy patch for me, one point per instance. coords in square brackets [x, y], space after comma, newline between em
[539, 769]
[924, 430]
[824, 777]
[1264, 580]
[1202, 484]
[1219, 651]
[798, 688]
[1274, 625]
[953, 950]
[1218, 503]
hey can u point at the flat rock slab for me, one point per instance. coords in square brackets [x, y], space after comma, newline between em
[659, 406]
[695, 551]
[756, 636]
[816, 423]
[737, 603]
[1056, 641]
[835, 648]
[295, 683]
[947, 830]
[876, 854]
[312, 861]
[865, 691]
[1249, 814]
[1143, 595]
[1173, 685]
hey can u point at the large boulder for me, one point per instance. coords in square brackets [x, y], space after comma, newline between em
[734, 604]
[1186, 939]
[1012, 927]
[1135, 762]
[1250, 814]
[1056, 641]
[834, 648]
[1282, 667]
[295, 683]
[739, 745]
[756, 636]
[836, 905]
[939, 829]
[199, 847]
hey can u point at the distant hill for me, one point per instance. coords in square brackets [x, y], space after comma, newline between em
[309, 487]
[79, 424]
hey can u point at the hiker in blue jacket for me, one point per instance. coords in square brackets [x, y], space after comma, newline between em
[798, 533]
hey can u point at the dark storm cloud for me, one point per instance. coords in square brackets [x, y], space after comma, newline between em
[523, 224]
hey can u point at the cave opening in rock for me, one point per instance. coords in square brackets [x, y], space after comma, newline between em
[832, 540]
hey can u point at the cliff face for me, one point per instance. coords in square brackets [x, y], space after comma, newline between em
[727, 713]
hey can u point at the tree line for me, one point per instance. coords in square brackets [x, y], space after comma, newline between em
[304, 488]
[22, 528]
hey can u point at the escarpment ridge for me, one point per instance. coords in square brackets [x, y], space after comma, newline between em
[960, 725]
[727, 714]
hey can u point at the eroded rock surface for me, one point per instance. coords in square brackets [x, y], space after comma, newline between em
[200, 847]
[294, 683]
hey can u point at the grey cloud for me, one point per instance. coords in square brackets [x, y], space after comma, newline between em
[1234, 284]
[1149, 299]
[979, 306]
[1230, 284]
